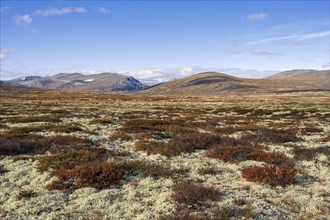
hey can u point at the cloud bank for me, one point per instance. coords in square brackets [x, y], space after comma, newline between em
[60, 11]
[295, 37]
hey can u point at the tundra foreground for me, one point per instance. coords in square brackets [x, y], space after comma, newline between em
[97, 156]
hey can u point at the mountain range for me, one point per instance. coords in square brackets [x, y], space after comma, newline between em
[103, 82]
[208, 83]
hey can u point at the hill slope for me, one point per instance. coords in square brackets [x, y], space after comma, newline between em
[212, 83]
[316, 77]
[103, 82]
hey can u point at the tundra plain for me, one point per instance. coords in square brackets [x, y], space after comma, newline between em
[99, 156]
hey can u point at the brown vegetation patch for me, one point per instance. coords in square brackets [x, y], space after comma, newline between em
[186, 143]
[155, 170]
[30, 119]
[268, 135]
[142, 125]
[103, 121]
[238, 153]
[272, 175]
[231, 129]
[100, 175]
[33, 144]
[70, 159]
[68, 128]
[191, 142]
[303, 153]
[156, 128]
[20, 145]
[193, 193]
[261, 112]
[311, 129]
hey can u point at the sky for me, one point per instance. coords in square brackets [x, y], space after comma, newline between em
[156, 41]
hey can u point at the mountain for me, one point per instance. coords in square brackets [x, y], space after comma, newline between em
[103, 82]
[208, 83]
[213, 83]
[202, 83]
[316, 77]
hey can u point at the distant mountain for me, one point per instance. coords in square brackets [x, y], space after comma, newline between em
[208, 83]
[103, 82]
[212, 83]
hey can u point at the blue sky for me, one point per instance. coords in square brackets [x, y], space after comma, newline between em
[161, 40]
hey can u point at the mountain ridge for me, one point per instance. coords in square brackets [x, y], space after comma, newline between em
[103, 82]
[213, 83]
[205, 83]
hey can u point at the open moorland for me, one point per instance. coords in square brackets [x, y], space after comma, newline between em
[99, 156]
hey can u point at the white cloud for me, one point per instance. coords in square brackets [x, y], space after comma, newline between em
[5, 52]
[104, 10]
[150, 75]
[23, 20]
[314, 35]
[158, 75]
[256, 17]
[5, 74]
[260, 52]
[60, 11]
[295, 37]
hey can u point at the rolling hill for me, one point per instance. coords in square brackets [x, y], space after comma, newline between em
[316, 77]
[213, 83]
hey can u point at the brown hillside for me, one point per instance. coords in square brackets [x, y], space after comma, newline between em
[212, 83]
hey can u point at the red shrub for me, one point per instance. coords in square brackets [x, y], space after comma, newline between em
[191, 142]
[245, 153]
[100, 175]
[272, 175]
[193, 193]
